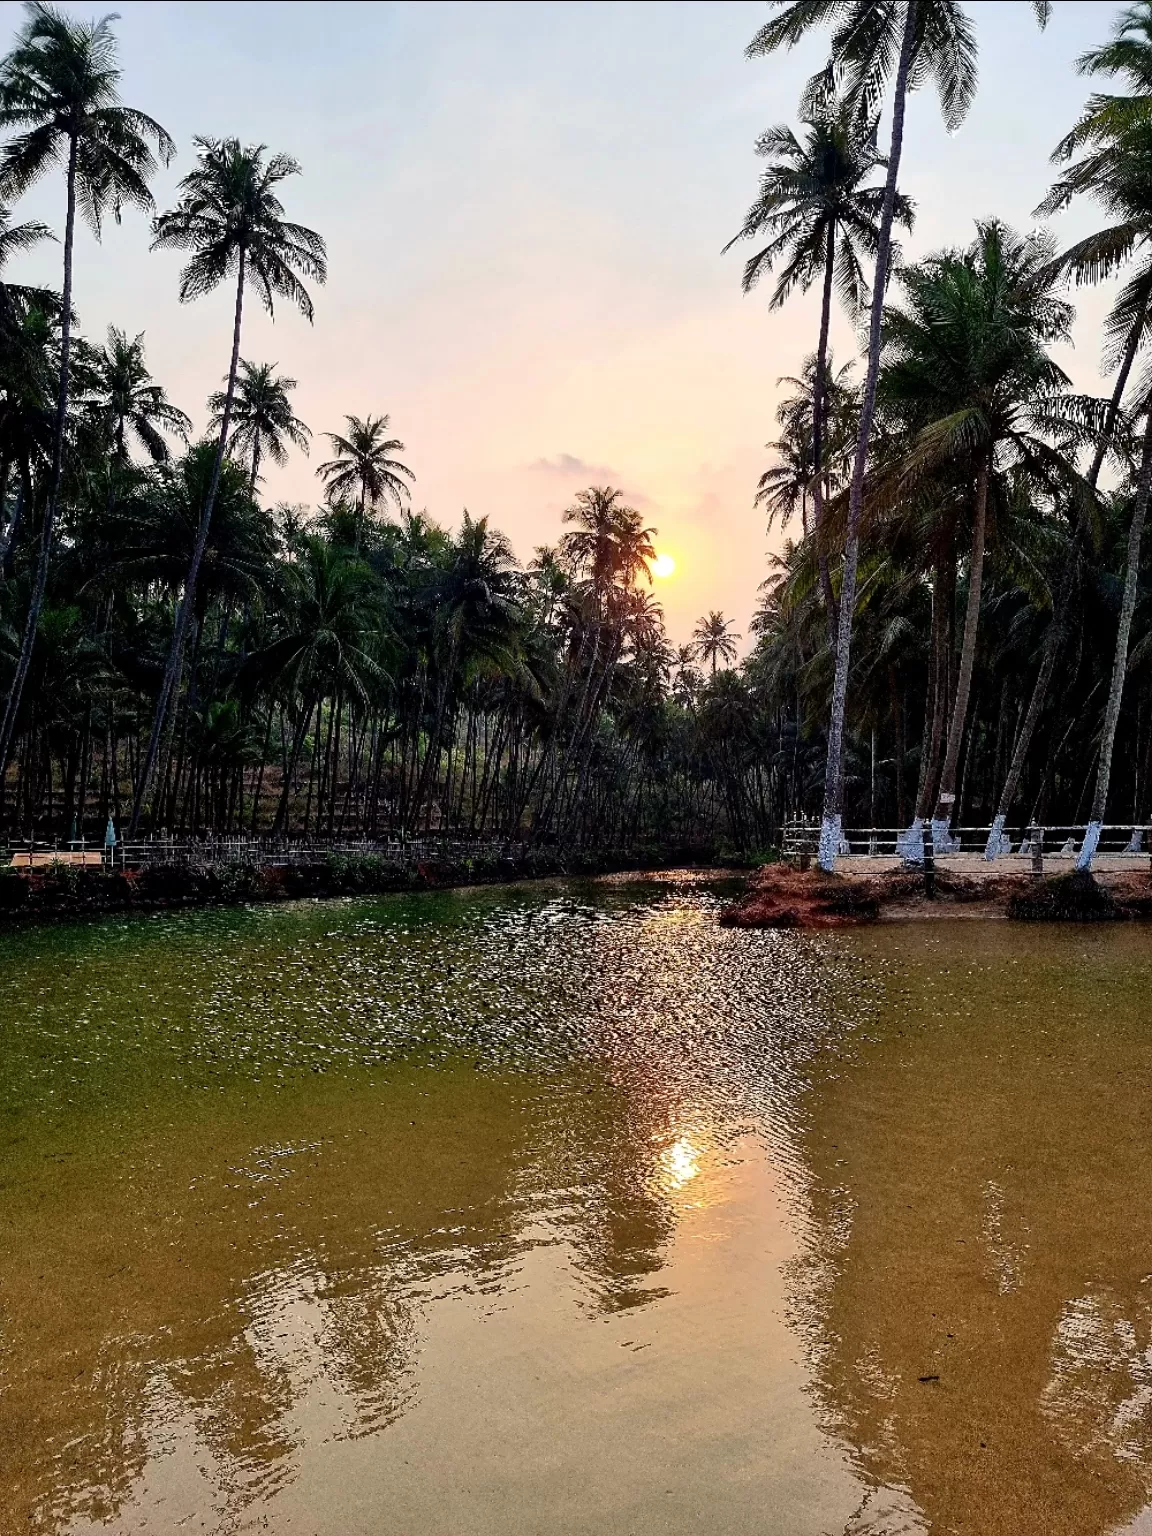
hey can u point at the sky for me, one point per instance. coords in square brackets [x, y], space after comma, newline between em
[525, 207]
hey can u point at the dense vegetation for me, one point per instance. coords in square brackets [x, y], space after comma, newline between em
[960, 606]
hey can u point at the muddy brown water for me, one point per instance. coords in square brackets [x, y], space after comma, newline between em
[560, 1209]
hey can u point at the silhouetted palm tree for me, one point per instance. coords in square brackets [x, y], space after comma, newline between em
[120, 397]
[713, 640]
[820, 217]
[59, 91]
[365, 469]
[263, 421]
[911, 42]
[231, 220]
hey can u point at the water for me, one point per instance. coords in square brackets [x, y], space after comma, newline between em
[561, 1209]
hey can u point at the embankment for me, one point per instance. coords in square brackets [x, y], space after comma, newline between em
[780, 896]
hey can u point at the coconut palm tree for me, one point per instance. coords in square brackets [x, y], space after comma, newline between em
[784, 488]
[1116, 171]
[119, 397]
[60, 97]
[713, 640]
[263, 421]
[231, 221]
[1115, 130]
[968, 368]
[1120, 654]
[608, 542]
[365, 468]
[821, 217]
[325, 642]
[911, 42]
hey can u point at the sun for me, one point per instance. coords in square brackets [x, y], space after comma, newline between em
[663, 565]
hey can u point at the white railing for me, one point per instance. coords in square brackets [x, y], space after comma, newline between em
[266, 852]
[802, 838]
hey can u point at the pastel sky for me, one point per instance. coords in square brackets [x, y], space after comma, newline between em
[525, 206]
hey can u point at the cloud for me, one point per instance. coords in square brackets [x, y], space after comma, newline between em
[566, 466]
[569, 464]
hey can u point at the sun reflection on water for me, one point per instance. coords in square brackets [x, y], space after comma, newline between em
[679, 1164]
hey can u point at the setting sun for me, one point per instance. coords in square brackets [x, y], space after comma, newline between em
[663, 565]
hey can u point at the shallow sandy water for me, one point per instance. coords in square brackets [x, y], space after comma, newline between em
[562, 1209]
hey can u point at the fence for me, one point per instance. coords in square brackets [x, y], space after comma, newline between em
[266, 852]
[802, 839]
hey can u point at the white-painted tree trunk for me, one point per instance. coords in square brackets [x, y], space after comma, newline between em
[910, 843]
[834, 764]
[942, 839]
[830, 841]
[1089, 845]
[994, 847]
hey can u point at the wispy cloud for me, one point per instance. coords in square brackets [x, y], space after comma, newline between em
[567, 466]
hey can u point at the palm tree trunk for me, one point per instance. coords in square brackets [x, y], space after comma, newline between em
[1136, 335]
[171, 671]
[36, 602]
[12, 537]
[1053, 645]
[834, 768]
[819, 396]
[255, 475]
[946, 796]
[1120, 659]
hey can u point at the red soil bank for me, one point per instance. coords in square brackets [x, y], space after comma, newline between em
[779, 896]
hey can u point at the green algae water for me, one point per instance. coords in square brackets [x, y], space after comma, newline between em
[561, 1209]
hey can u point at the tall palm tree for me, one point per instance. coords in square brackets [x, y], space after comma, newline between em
[231, 220]
[968, 367]
[120, 398]
[1120, 653]
[365, 467]
[820, 217]
[713, 640]
[912, 41]
[59, 93]
[263, 421]
[1115, 133]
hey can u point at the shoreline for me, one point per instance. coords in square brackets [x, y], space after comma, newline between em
[781, 896]
[64, 893]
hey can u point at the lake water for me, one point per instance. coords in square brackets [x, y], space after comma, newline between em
[560, 1209]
